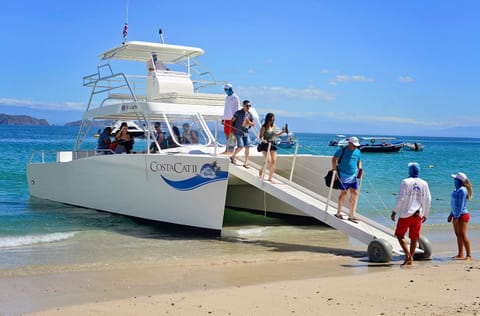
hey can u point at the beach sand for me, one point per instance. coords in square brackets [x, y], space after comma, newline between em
[332, 285]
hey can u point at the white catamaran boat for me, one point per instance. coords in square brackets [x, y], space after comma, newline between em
[187, 183]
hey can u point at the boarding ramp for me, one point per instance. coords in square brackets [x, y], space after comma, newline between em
[378, 237]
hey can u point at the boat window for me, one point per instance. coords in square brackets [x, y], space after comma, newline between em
[190, 130]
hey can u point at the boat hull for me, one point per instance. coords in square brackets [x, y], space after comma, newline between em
[388, 148]
[177, 189]
[413, 147]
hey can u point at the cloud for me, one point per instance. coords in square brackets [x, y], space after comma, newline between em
[366, 119]
[270, 94]
[405, 79]
[23, 103]
[349, 78]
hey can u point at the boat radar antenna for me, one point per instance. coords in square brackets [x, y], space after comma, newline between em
[160, 32]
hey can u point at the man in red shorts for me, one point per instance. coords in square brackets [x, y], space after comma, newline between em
[413, 206]
[232, 105]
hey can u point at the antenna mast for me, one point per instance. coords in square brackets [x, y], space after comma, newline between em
[160, 32]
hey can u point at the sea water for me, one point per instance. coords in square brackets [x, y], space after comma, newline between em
[42, 236]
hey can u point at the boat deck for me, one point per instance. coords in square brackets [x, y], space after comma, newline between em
[315, 205]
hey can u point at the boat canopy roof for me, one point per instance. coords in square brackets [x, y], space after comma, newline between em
[154, 110]
[378, 138]
[142, 51]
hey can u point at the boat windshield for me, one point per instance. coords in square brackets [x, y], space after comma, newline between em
[188, 130]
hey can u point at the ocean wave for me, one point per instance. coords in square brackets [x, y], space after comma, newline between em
[26, 240]
[245, 232]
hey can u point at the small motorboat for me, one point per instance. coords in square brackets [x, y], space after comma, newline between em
[286, 140]
[413, 146]
[380, 145]
[338, 140]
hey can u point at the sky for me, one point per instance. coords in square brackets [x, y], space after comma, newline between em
[350, 67]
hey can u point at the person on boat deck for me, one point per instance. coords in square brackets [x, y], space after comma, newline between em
[232, 105]
[413, 206]
[155, 64]
[194, 137]
[104, 140]
[174, 139]
[459, 216]
[269, 134]
[186, 135]
[242, 120]
[347, 167]
[159, 137]
[124, 140]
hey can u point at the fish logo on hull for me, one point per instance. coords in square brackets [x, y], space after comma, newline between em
[209, 173]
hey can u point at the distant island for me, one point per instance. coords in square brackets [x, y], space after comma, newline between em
[6, 119]
[95, 123]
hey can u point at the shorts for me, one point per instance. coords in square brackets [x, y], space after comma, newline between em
[227, 127]
[464, 217]
[346, 186]
[413, 224]
[264, 147]
[242, 141]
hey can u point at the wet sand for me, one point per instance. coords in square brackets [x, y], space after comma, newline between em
[335, 284]
[283, 279]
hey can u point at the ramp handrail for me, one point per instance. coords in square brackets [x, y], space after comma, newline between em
[360, 231]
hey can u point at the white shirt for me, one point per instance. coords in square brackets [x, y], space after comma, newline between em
[232, 105]
[414, 195]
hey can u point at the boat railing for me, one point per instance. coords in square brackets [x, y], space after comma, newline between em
[47, 156]
[115, 85]
[204, 78]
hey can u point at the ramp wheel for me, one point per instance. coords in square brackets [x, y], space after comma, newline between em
[426, 246]
[379, 250]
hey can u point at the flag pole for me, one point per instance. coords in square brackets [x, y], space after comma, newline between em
[125, 26]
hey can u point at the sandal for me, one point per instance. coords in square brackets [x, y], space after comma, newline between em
[339, 216]
[232, 160]
[353, 220]
[246, 166]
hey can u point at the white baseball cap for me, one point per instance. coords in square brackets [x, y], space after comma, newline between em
[228, 86]
[354, 141]
[460, 176]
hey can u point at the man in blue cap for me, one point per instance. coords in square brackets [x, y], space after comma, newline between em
[413, 206]
[232, 105]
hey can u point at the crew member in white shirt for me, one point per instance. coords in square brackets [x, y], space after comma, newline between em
[232, 105]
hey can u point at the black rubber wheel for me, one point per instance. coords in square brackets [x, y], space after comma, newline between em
[426, 246]
[379, 250]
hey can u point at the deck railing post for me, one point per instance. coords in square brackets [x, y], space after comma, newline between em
[358, 195]
[293, 162]
[216, 138]
[267, 159]
[330, 190]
